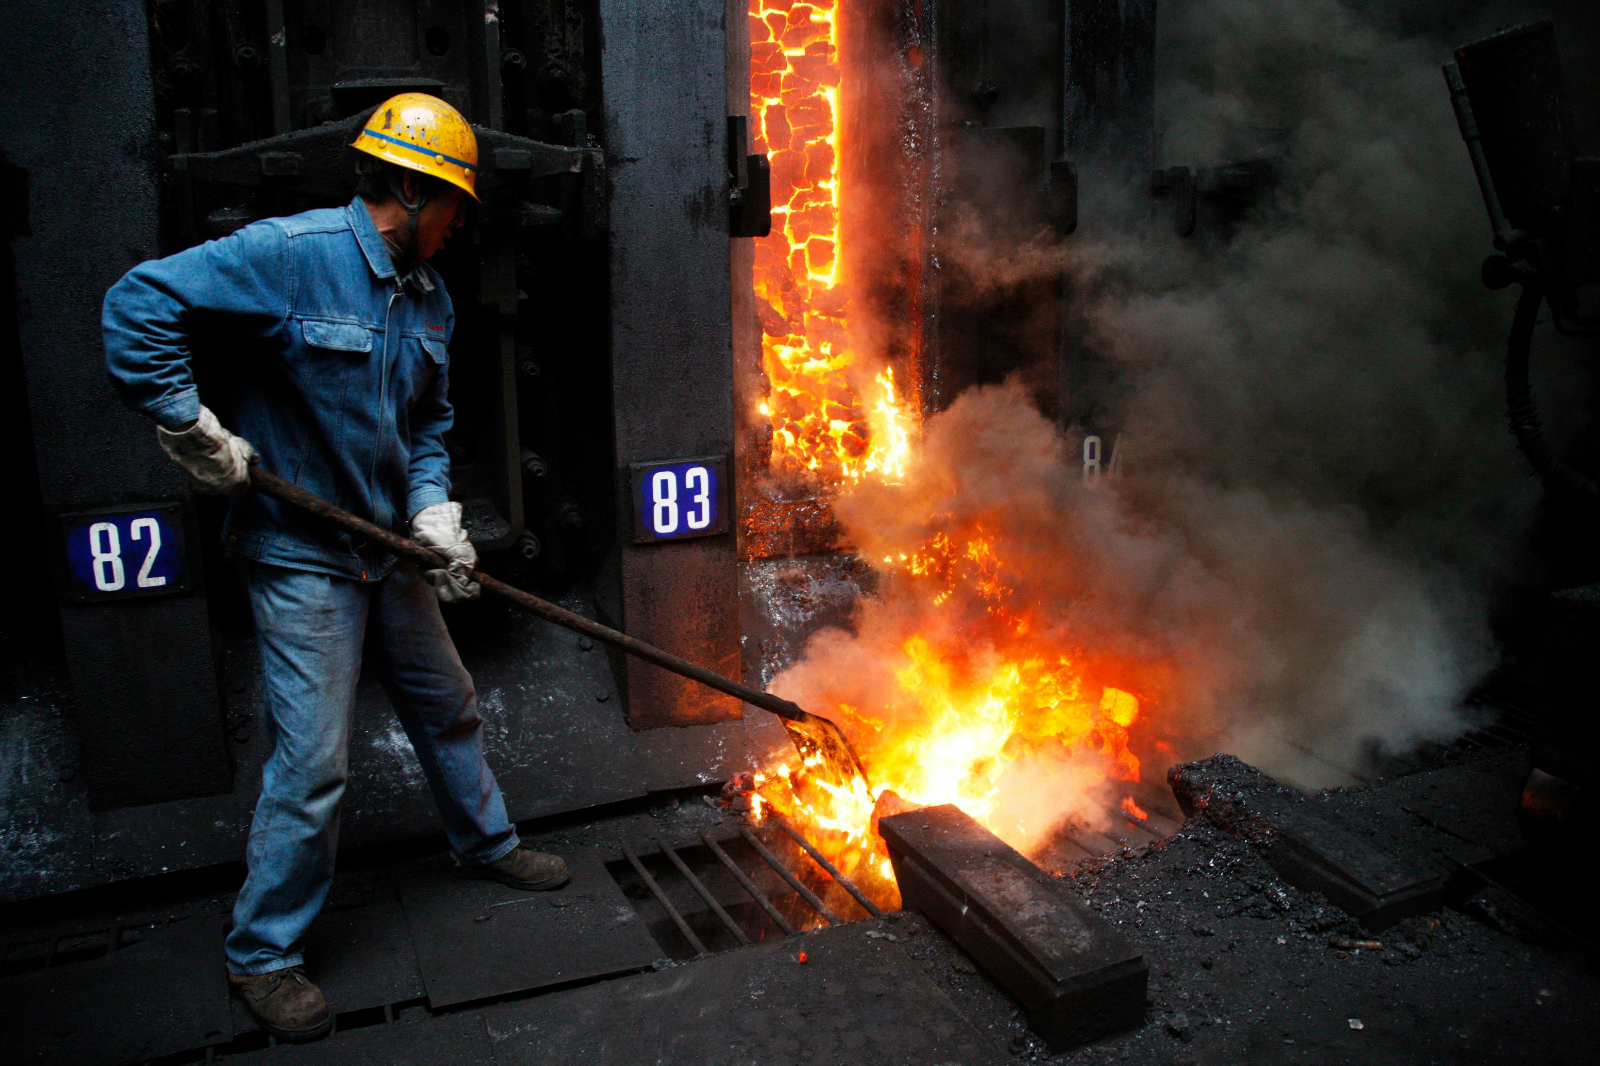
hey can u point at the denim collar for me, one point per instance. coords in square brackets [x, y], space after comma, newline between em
[370, 239]
[376, 249]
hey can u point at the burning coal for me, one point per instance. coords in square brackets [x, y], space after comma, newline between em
[1295, 560]
[1035, 639]
[977, 676]
[835, 416]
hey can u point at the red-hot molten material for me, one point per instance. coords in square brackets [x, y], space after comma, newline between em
[835, 419]
[972, 708]
[982, 708]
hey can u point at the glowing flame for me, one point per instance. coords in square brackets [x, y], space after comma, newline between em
[967, 719]
[832, 418]
[979, 701]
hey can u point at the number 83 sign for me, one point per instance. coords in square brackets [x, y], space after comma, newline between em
[680, 498]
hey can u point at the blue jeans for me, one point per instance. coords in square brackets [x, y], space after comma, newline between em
[312, 629]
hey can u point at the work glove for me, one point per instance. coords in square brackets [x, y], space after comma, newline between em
[438, 526]
[216, 461]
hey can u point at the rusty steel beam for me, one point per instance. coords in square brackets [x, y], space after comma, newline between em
[1076, 976]
[1308, 849]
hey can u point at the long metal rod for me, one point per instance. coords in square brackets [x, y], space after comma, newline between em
[1158, 800]
[1121, 838]
[817, 738]
[1138, 826]
[833, 871]
[278, 66]
[1468, 125]
[277, 487]
[749, 886]
[778, 868]
[703, 892]
[1155, 821]
[661, 898]
[1320, 759]
[1064, 846]
[1097, 844]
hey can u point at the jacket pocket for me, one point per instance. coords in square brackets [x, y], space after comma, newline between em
[337, 336]
[436, 350]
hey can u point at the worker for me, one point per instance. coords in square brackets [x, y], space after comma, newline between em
[339, 331]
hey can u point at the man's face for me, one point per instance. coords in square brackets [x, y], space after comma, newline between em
[438, 219]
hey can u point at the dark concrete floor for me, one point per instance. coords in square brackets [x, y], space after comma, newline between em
[1241, 967]
[1242, 971]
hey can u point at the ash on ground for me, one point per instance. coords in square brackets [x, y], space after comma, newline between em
[784, 601]
[1245, 968]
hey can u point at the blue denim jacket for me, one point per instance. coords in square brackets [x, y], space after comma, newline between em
[344, 368]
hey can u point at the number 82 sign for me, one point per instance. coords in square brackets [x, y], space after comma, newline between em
[125, 552]
[680, 498]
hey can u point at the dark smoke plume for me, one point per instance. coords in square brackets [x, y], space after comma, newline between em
[1316, 499]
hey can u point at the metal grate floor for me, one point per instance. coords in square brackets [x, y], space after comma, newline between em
[726, 888]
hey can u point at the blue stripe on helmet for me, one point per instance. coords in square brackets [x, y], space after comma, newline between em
[419, 150]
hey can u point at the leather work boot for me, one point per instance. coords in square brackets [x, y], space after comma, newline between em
[287, 1005]
[522, 868]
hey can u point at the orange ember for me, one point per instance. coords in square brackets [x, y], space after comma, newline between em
[833, 418]
[983, 703]
[983, 712]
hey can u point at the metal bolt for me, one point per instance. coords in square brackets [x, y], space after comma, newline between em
[585, 644]
[246, 56]
[512, 59]
[533, 465]
[529, 367]
[569, 515]
[528, 546]
[602, 696]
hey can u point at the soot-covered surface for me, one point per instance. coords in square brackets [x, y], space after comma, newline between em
[554, 732]
[841, 995]
[1243, 966]
[479, 939]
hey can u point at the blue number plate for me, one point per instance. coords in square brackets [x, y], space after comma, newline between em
[678, 499]
[126, 552]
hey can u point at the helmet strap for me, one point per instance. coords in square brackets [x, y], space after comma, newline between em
[397, 186]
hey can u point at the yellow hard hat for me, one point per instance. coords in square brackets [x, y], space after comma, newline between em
[425, 134]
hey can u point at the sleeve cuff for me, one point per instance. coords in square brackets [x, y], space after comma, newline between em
[424, 497]
[176, 411]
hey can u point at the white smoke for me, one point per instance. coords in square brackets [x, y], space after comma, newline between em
[1318, 499]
